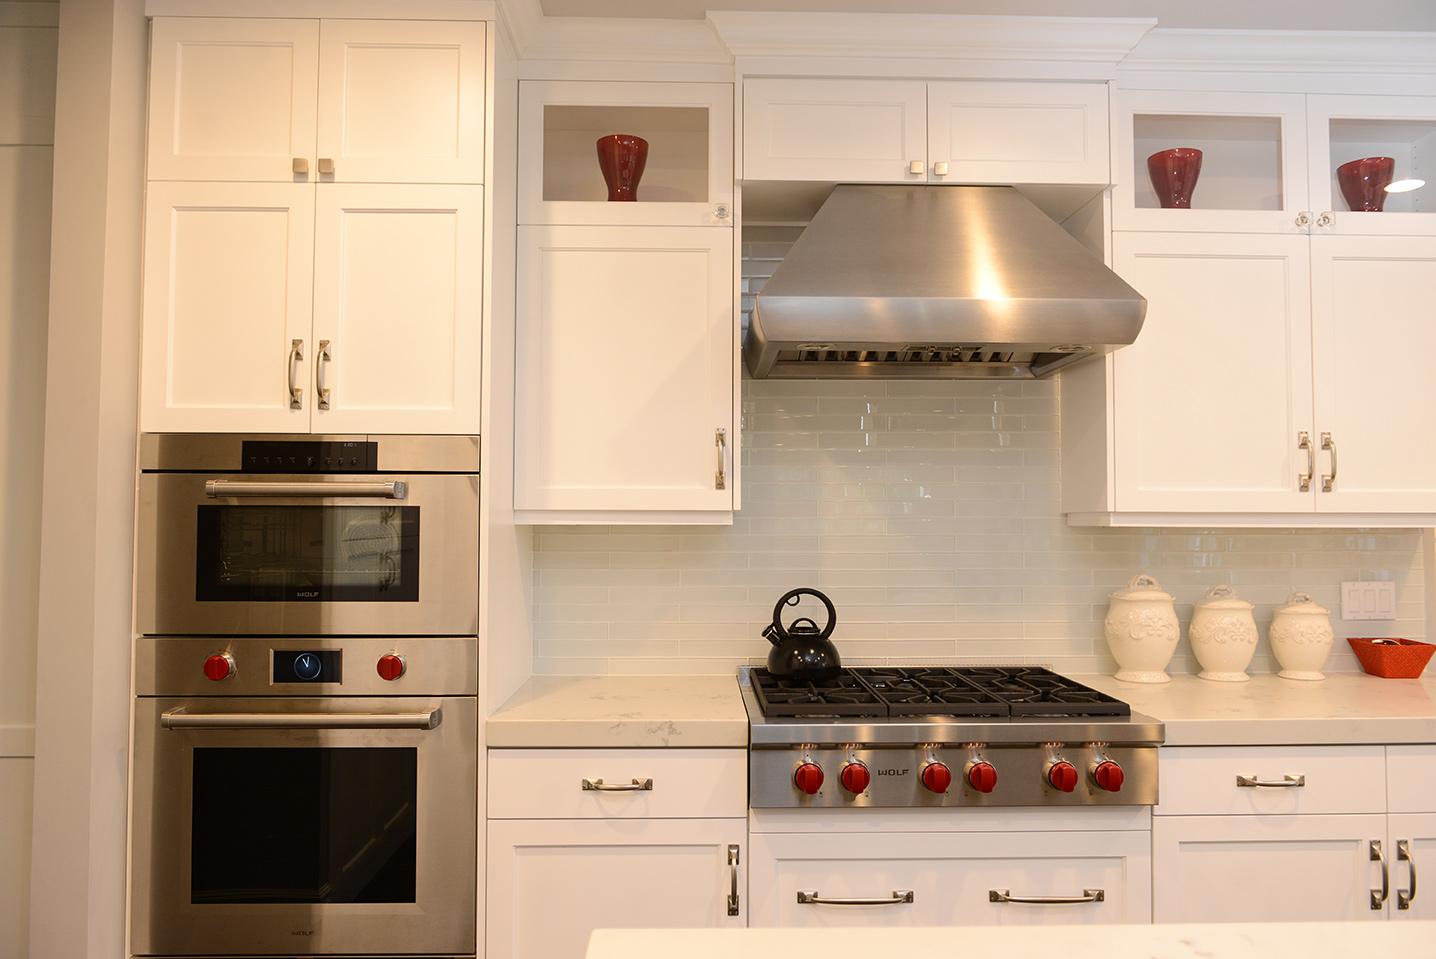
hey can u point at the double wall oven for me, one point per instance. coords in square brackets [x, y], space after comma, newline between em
[306, 726]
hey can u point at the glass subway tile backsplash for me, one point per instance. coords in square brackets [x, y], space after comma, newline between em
[929, 512]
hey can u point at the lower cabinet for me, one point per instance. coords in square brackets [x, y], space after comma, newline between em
[552, 882]
[888, 879]
[1409, 838]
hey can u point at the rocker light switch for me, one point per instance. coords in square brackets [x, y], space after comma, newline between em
[1368, 600]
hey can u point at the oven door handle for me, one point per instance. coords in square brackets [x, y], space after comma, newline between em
[182, 719]
[239, 488]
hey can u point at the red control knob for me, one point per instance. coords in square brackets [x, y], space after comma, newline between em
[808, 777]
[936, 777]
[1062, 775]
[855, 778]
[390, 667]
[219, 666]
[1108, 775]
[982, 776]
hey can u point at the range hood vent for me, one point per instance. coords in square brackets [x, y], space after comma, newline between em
[935, 283]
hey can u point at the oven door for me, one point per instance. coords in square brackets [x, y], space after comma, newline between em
[228, 555]
[305, 826]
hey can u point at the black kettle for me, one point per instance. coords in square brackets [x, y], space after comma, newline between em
[802, 652]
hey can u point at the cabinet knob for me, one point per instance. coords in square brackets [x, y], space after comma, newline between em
[1325, 219]
[326, 166]
[1303, 219]
[300, 166]
[916, 167]
[939, 168]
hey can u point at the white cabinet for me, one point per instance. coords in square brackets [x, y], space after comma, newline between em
[1410, 838]
[625, 369]
[227, 307]
[552, 882]
[331, 100]
[960, 879]
[666, 783]
[1344, 128]
[1266, 868]
[909, 131]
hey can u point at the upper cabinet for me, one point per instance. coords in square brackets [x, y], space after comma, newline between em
[345, 101]
[906, 131]
[1342, 129]
[685, 172]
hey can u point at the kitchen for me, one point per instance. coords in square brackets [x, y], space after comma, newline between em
[370, 246]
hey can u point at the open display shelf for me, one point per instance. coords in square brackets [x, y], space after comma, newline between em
[1241, 159]
[1411, 143]
[677, 166]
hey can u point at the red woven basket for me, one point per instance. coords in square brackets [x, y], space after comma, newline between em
[1392, 659]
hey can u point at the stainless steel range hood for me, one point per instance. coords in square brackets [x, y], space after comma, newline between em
[936, 282]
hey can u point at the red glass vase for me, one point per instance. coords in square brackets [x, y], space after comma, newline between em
[1174, 175]
[621, 157]
[1364, 182]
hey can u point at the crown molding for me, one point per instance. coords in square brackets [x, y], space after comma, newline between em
[608, 39]
[1283, 51]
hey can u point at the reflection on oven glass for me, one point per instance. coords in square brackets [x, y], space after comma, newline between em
[311, 825]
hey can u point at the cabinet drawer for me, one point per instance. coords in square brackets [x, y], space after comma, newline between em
[1411, 778]
[681, 783]
[1332, 779]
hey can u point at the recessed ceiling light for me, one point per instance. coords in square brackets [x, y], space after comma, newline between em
[1405, 186]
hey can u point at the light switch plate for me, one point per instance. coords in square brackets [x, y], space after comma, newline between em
[1375, 599]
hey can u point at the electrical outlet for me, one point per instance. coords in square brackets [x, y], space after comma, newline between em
[1375, 599]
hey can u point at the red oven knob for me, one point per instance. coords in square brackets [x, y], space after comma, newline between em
[390, 667]
[1062, 775]
[982, 776]
[219, 666]
[855, 778]
[1108, 775]
[936, 777]
[808, 777]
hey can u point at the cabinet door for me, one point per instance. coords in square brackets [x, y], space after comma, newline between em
[402, 101]
[1411, 838]
[398, 275]
[1345, 128]
[1265, 868]
[840, 130]
[625, 368]
[1374, 336]
[552, 882]
[1211, 398]
[812, 879]
[228, 275]
[232, 99]
[1017, 132]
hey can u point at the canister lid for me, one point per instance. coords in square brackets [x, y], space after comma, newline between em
[1143, 587]
[1223, 597]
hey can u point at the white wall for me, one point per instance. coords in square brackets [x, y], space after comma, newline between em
[929, 512]
[28, 38]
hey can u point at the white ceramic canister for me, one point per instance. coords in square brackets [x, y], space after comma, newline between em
[1142, 631]
[1223, 635]
[1301, 637]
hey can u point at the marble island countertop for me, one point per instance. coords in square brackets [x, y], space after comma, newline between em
[1250, 940]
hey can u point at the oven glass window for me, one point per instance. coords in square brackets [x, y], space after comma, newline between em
[304, 825]
[328, 554]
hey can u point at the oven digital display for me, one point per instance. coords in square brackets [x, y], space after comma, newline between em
[308, 666]
[309, 456]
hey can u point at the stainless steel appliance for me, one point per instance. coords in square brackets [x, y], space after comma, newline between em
[945, 737]
[308, 535]
[305, 796]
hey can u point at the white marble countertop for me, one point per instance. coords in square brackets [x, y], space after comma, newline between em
[613, 711]
[1341, 709]
[1315, 940]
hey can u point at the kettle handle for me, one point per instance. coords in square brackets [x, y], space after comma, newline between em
[791, 598]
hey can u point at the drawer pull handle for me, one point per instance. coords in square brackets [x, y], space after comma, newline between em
[899, 897]
[1379, 896]
[1285, 782]
[1405, 897]
[1088, 895]
[637, 785]
[733, 880]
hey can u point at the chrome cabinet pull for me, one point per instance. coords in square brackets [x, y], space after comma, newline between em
[326, 166]
[899, 896]
[720, 440]
[181, 719]
[598, 785]
[1329, 445]
[1303, 480]
[1285, 782]
[1303, 219]
[296, 356]
[1088, 895]
[1325, 219]
[733, 880]
[1405, 897]
[322, 359]
[1378, 896]
[397, 489]
[916, 167]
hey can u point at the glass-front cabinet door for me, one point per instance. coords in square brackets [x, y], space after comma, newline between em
[1251, 176]
[1370, 160]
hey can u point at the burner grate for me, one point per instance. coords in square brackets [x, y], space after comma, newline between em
[844, 696]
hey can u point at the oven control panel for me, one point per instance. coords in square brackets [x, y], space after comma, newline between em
[308, 665]
[309, 456]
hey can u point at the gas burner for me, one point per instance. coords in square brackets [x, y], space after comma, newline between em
[844, 696]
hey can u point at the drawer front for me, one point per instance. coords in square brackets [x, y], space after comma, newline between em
[1411, 778]
[1203, 781]
[618, 783]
